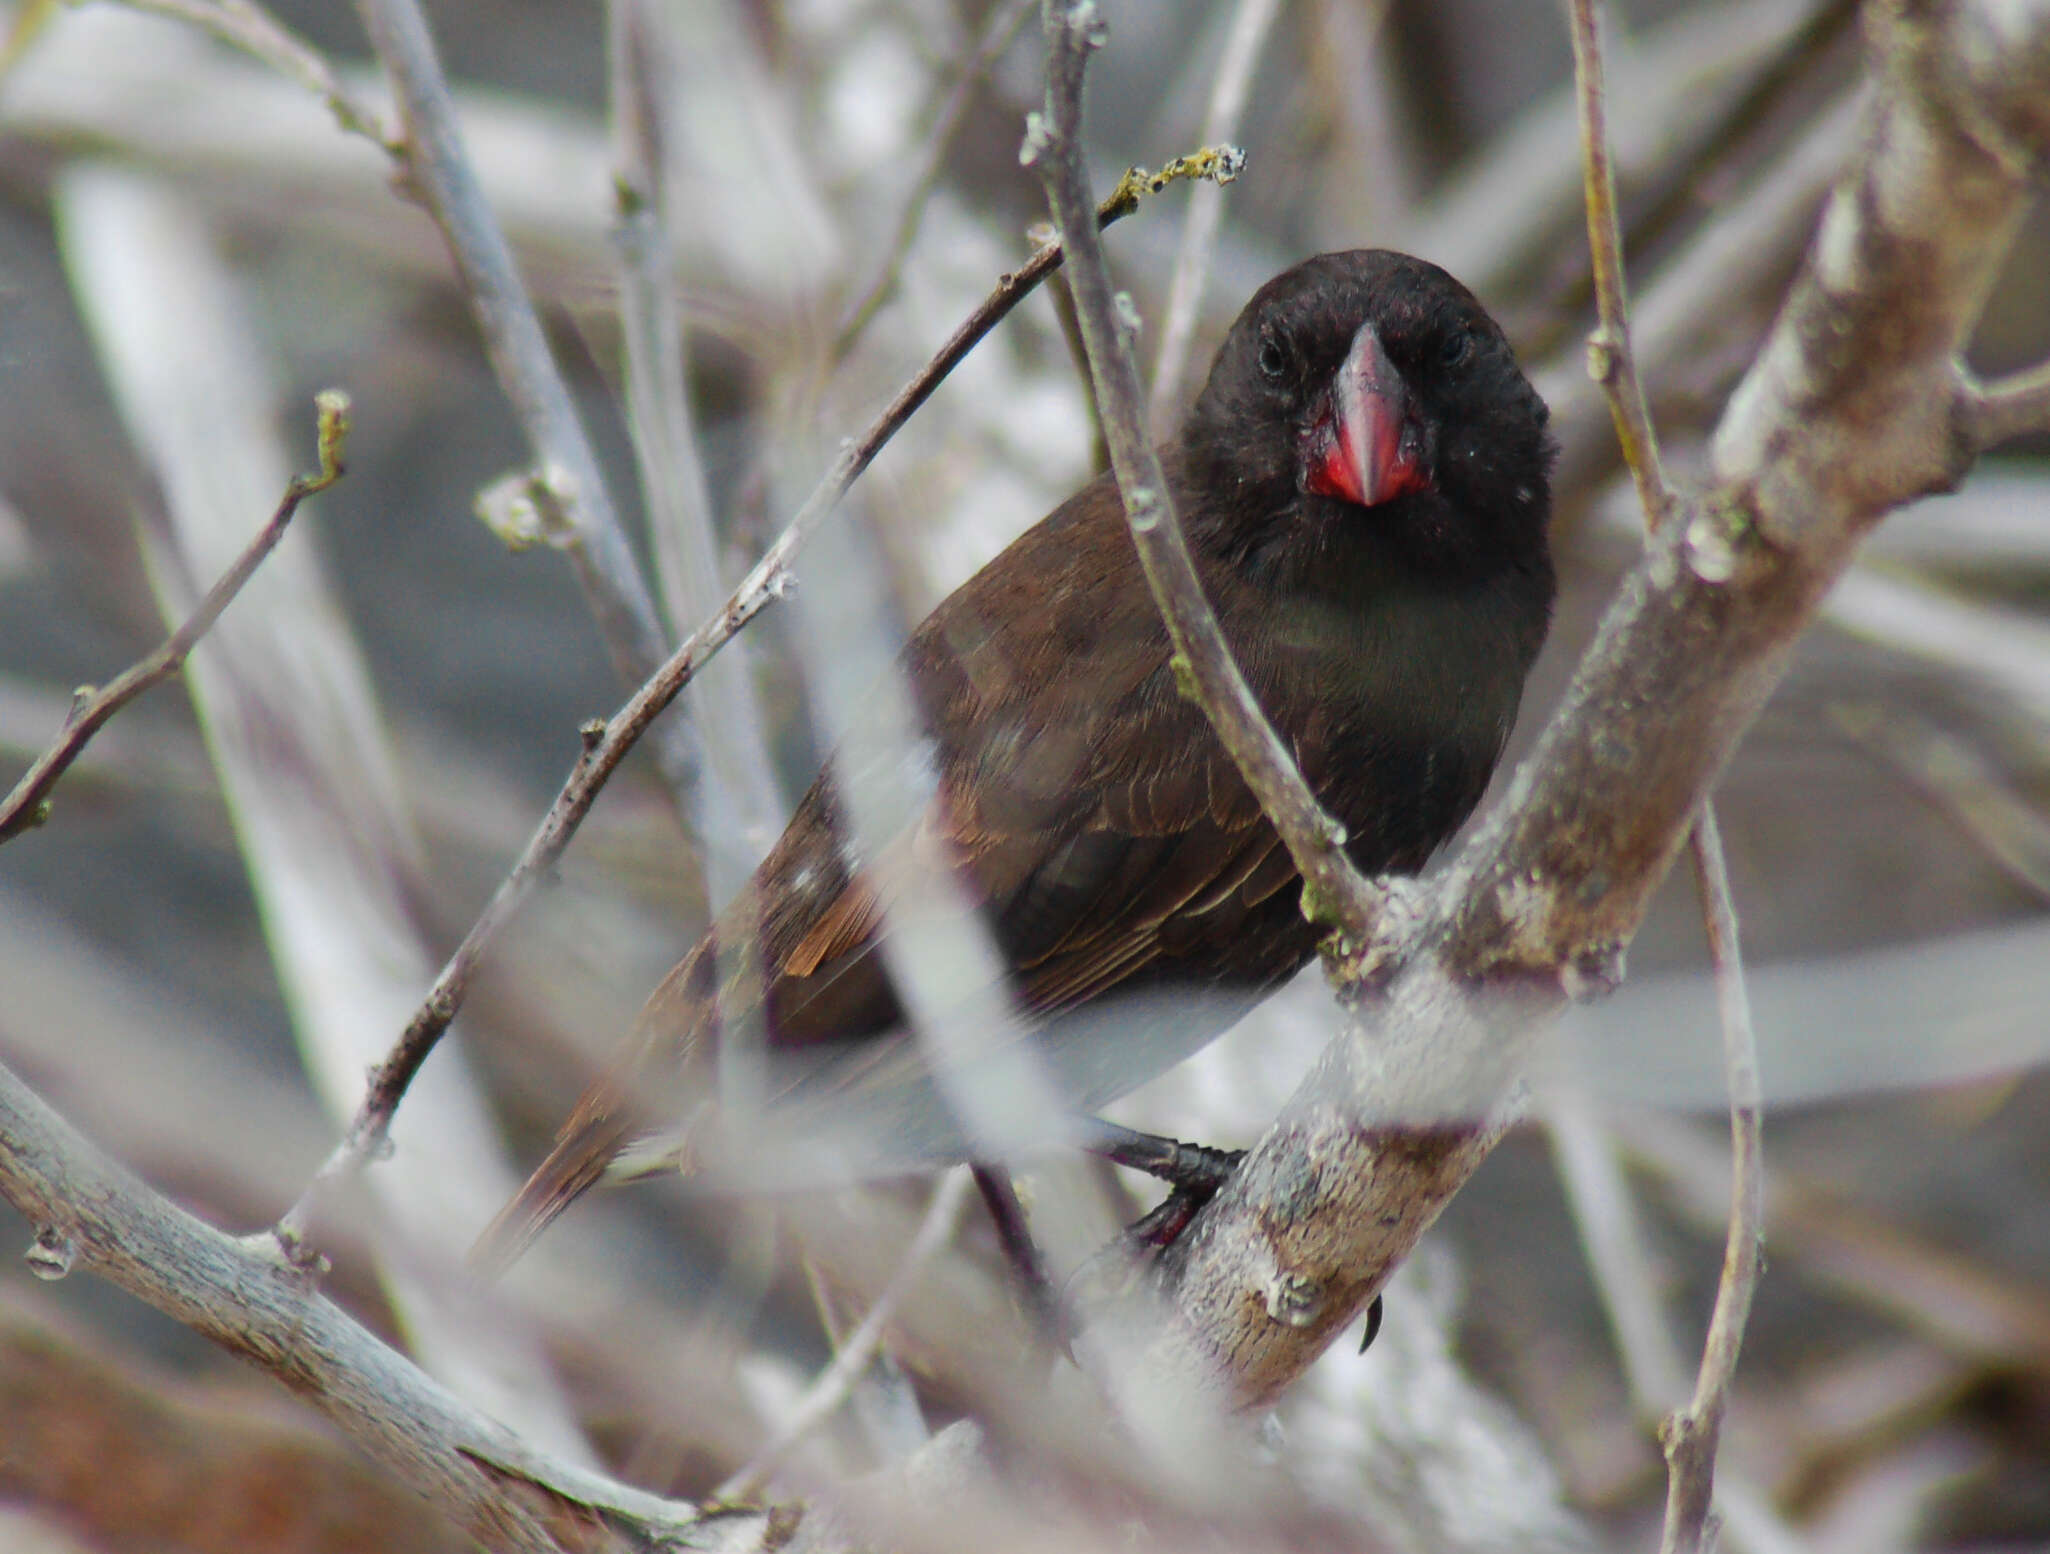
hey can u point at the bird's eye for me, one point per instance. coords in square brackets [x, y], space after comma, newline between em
[1457, 347]
[1273, 357]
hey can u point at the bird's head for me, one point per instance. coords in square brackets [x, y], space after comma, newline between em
[1371, 388]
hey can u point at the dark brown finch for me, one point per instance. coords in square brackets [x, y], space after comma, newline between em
[1363, 482]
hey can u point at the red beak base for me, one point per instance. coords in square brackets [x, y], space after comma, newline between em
[1365, 452]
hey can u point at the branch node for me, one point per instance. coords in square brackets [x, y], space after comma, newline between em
[1142, 511]
[1038, 140]
[1602, 363]
[1086, 25]
[1593, 973]
[1294, 1299]
[1127, 311]
[332, 413]
[1713, 541]
[51, 1254]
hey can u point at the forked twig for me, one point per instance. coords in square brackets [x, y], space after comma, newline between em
[28, 805]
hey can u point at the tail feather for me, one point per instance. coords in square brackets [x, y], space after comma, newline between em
[589, 1143]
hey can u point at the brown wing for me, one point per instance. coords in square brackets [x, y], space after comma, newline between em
[1094, 817]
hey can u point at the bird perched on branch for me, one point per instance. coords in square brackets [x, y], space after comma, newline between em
[1363, 483]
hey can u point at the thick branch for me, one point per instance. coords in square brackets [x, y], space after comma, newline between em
[92, 1214]
[1333, 890]
[27, 805]
[1852, 408]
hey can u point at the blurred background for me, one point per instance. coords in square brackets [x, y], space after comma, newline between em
[242, 891]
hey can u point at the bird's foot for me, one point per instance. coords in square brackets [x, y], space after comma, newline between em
[1196, 1170]
[1194, 1174]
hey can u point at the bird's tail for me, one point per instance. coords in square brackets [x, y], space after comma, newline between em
[589, 1143]
[631, 1124]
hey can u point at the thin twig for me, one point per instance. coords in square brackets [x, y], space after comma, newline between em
[737, 799]
[256, 32]
[1679, 188]
[1228, 93]
[439, 168]
[834, 1384]
[2015, 406]
[1690, 1436]
[28, 805]
[1333, 890]
[607, 743]
[1585, 1154]
[1608, 348]
[1588, 1154]
[997, 33]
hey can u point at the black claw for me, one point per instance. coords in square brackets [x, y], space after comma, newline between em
[1196, 1168]
[1373, 1325]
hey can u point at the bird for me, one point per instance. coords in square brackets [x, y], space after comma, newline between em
[1363, 482]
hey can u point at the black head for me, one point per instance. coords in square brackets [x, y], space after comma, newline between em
[1369, 388]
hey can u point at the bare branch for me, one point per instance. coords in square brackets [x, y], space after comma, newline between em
[439, 168]
[1334, 891]
[1612, 1239]
[737, 801]
[997, 33]
[1609, 361]
[254, 30]
[1228, 93]
[92, 1214]
[28, 805]
[1690, 1436]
